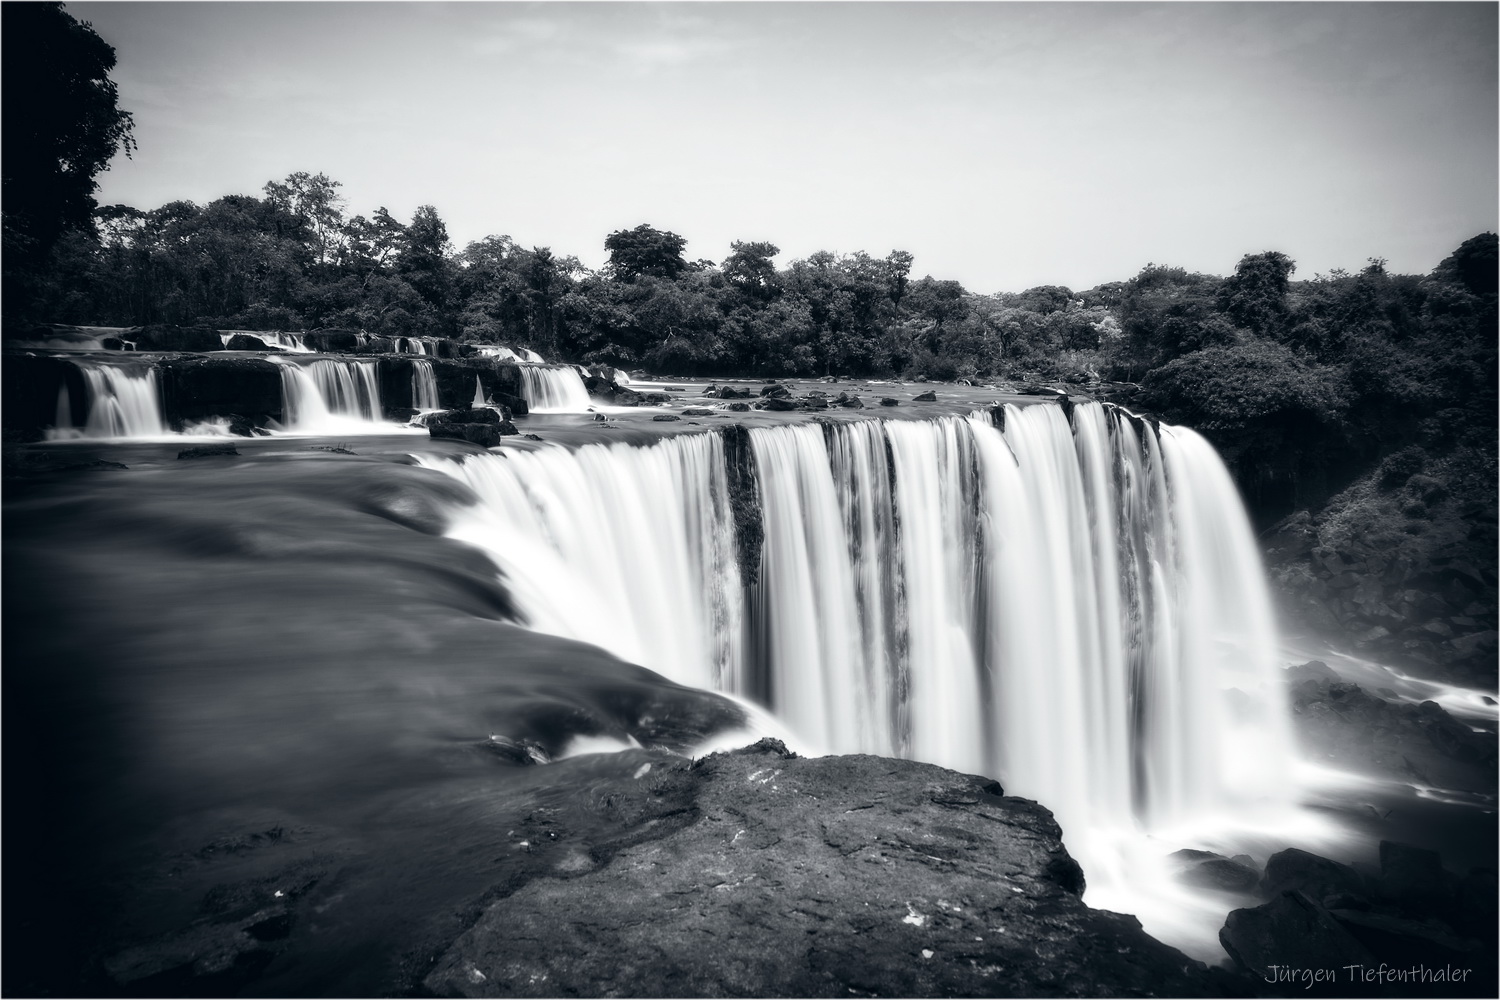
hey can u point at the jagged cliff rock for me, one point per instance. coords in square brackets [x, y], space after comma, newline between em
[772, 875]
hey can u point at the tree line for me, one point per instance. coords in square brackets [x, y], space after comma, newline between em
[1347, 363]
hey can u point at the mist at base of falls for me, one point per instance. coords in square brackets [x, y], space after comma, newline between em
[1074, 606]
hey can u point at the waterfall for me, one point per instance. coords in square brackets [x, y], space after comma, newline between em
[122, 403]
[424, 395]
[487, 351]
[639, 537]
[532, 356]
[411, 345]
[329, 396]
[1073, 604]
[555, 389]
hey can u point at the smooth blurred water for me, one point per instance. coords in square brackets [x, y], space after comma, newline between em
[1075, 606]
[553, 389]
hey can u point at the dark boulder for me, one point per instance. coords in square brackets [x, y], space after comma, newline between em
[245, 342]
[331, 340]
[194, 388]
[1294, 869]
[779, 403]
[1312, 670]
[888, 401]
[926, 397]
[655, 397]
[666, 417]
[783, 876]
[730, 392]
[697, 411]
[208, 451]
[775, 391]
[1412, 876]
[1291, 931]
[468, 415]
[1408, 942]
[739, 407]
[1213, 871]
[849, 402]
[32, 388]
[161, 337]
[484, 435]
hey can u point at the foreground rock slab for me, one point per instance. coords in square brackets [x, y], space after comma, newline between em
[835, 876]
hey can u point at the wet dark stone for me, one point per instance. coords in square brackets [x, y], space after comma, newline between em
[1289, 931]
[208, 451]
[665, 417]
[1316, 876]
[245, 342]
[888, 401]
[829, 876]
[926, 397]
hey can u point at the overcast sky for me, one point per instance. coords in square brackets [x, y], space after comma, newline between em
[1005, 145]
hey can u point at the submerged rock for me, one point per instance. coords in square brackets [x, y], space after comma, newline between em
[785, 876]
[208, 451]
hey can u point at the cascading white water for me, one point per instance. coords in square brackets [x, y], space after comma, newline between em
[424, 395]
[329, 396]
[294, 343]
[641, 537]
[1073, 606]
[488, 351]
[529, 355]
[411, 345]
[553, 389]
[122, 403]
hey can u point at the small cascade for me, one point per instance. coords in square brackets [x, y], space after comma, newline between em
[424, 395]
[504, 353]
[1073, 604]
[122, 403]
[553, 389]
[479, 398]
[329, 396]
[411, 345]
[532, 356]
[296, 343]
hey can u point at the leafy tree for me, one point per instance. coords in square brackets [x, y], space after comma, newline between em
[1255, 296]
[644, 250]
[1472, 265]
[750, 271]
[61, 123]
[314, 199]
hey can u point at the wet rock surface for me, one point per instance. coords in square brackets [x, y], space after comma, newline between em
[835, 876]
[1410, 913]
[1345, 724]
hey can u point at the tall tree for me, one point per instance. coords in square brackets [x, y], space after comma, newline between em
[315, 199]
[61, 124]
[1255, 296]
[644, 250]
[750, 270]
